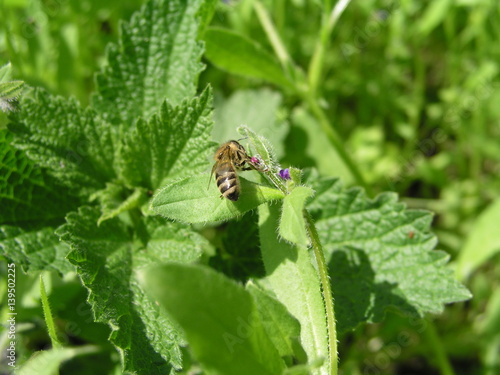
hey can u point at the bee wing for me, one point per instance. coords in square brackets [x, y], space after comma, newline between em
[211, 174]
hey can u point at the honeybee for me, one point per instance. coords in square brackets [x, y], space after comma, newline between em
[229, 157]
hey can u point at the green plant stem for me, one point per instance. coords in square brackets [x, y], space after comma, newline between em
[272, 34]
[437, 349]
[314, 76]
[47, 313]
[327, 293]
[327, 24]
[337, 143]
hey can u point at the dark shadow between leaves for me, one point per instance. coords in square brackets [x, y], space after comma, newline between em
[141, 345]
[358, 297]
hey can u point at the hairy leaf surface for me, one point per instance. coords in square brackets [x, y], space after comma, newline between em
[188, 200]
[380, 254]
[157, 58]
[35, 249]
[168, 145]
[295, 282]
[27, 193]
[219, 317]
[107, 259]
[70, 142]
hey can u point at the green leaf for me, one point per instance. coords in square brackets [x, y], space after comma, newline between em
[188, 200]
[72, 143]
[240, 55]
[380, 255]
[157, 57]
[48, 362]
[27, 193]
[292, 224]
[107, 259]
[482, 242]
[434, 14]
[256, 108]
[34, 249]
[5, 72]
[295, 282]
[172, 145]
[220, 320]
[282, 328]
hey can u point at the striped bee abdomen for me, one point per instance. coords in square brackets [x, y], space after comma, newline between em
[227, 181]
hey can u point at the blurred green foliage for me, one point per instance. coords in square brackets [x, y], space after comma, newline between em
[410, 87]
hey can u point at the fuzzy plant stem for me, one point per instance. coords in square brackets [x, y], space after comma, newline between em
[327, 293]
[308, 92]
[272, 33]
[337, 143]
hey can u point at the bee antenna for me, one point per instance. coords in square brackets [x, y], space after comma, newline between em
[242, 139]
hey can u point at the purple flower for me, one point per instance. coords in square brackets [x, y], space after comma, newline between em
[284, 174]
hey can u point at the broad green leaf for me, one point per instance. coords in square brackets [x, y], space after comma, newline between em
[157, 58]
[74, 146]
[107, 259]
[240, 55]
[292, 224]
[34, 249]
[189, 201]
[380, 255]
[282, 328]
[171, 145]
[482, 242]
[27, 193]
[47, 362]
[218, 316]
[258, 109]
[295, 282]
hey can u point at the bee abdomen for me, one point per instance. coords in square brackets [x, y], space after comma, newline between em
[228, 184]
